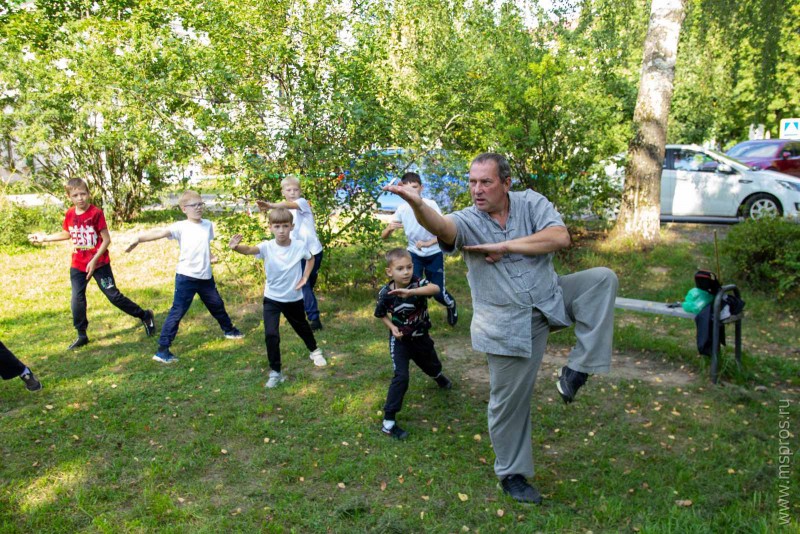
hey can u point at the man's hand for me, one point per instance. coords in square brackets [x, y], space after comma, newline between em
[406, 193]
[36, 239]
[235, 240]
[493, 251]
[396, 332]
[263, 205]
[395, 225]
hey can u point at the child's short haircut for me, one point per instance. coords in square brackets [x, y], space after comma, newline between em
[396, 254]
[75, 183]
[188, 196]
[411, 178]
[290, 180]
[280, 216]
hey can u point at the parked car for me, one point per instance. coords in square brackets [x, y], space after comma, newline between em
[782, 155]
[701, 185]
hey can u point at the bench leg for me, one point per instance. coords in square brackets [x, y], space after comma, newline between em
[715, 349]
[739, 344]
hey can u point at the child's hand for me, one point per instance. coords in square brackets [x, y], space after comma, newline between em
[403, 293]
[90, 268]
[264, 205]
[396, 332]
[36, 239]
[133, 245]
[301, 283]
[420, 245]
[212, 259]
[395, 225]
[235, 240]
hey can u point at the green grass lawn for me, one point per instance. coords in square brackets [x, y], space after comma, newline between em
[118, 443]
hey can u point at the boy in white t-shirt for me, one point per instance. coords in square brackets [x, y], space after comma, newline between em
[423, 246]
[283, 290]
[304, 230]
[193, 274]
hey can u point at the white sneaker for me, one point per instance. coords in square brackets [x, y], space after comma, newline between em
[318, 358]
[275, 378]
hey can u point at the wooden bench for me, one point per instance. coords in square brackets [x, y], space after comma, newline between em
[660, 308]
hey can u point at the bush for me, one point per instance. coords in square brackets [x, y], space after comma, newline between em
[766, 254]
[16, 222]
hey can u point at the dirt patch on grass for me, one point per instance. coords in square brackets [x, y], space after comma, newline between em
[471, 367]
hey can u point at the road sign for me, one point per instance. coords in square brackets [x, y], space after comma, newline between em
[790, 129]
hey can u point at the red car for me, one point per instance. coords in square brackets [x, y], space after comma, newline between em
[782, 155]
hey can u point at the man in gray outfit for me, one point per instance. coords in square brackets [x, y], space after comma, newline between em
[507, 240]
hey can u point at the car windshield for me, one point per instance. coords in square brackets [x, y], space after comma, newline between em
[765, 150]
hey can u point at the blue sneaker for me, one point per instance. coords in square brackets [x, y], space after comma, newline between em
[164, 356]
[234, 334]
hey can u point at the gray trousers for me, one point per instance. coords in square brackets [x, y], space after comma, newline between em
[589, 299]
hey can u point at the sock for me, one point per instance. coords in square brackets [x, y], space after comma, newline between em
[388, 425]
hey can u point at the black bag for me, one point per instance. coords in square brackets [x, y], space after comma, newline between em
[707, 281]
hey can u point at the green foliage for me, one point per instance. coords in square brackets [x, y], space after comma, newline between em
[17, 222]
[765, 253]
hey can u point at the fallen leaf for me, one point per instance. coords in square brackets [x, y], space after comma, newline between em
[76, 438]
[113, 386]
[341, 485]
[425, 498]
[224, 451]
[49, 406]
[501, 512]
[463, 497]
[383, 485]
[476, 437]
[731, 471]
[302, 479]
[266, 440]
[683, 502]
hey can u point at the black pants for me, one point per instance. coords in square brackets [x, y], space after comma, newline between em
[105, 281]
[10, 366]
[421, 351]
[296, 315]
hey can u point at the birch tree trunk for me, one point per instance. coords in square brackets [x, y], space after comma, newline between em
[639, 215]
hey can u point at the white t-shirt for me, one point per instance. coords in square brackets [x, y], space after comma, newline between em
[282, 269]
[414, 231]
[194, 240]
[304, 228]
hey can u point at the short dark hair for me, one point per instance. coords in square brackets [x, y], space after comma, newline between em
[396, 254]
[411, 178]
[503, 168]
[280, 216]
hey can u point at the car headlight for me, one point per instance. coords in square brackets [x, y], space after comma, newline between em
[794, 186]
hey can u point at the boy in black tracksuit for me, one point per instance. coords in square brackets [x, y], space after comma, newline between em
[405, 299]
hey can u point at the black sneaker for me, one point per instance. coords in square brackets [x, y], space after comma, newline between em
[30, 380]
[79, 342]
[395, 432]
[234, 334]
[569, 382]
[315, 324]
[452, 314]
[149, 323]
[444, 382]
[516, 487]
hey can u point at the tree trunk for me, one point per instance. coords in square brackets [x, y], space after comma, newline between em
[639, 215]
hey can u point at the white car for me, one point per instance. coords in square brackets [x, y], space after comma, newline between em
[698, 184]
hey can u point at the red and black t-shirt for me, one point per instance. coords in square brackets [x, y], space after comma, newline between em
[84, 230]
[409, 315]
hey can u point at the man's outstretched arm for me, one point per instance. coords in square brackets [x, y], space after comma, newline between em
[542, 242]
[442, 227]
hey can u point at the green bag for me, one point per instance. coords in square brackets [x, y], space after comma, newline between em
[696, 299]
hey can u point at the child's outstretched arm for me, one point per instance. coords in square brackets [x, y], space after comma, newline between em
[424, 291]
[149, 235]
[40, 237]
[391, 227]
[236, 246]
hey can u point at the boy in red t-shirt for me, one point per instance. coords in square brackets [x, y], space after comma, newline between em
[86, 226]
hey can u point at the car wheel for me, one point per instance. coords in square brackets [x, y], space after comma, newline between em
[761, 205]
